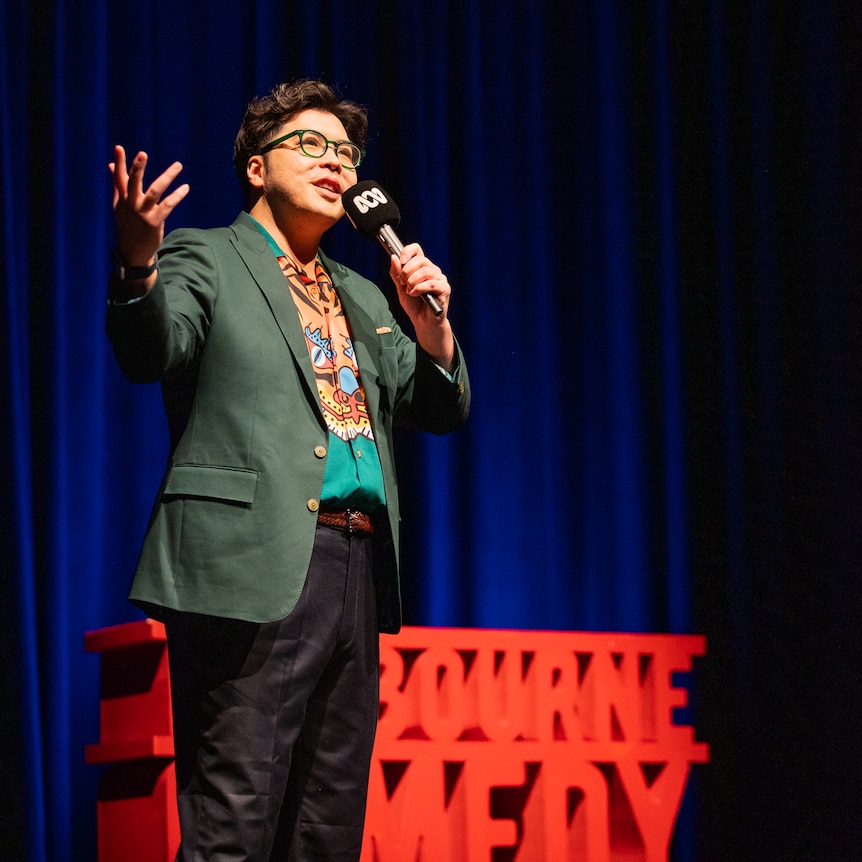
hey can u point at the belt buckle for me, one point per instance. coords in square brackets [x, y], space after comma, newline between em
[357, 521]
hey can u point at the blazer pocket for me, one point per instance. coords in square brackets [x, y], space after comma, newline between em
[388, 357]
[232, 484]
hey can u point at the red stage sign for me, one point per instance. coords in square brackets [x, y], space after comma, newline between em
[492, 745]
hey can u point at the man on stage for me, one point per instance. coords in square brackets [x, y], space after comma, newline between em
[272, 551]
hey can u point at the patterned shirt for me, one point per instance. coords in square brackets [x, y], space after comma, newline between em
[353, 476]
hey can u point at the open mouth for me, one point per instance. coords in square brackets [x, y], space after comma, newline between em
[328, 185]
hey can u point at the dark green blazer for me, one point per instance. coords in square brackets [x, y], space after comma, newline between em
[233, 525]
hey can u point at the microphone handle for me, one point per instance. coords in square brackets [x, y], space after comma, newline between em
[389, 240]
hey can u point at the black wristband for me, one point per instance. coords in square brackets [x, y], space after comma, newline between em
[132, 273]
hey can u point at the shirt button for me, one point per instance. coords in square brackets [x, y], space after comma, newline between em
[320, 451]
[358, 453]
[313, 505]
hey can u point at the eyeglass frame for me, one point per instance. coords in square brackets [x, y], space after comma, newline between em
[334, 144]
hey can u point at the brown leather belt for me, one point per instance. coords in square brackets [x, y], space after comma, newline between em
[349, 520]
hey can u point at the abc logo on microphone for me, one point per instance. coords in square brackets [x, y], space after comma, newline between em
[370, 208]
[369, 199]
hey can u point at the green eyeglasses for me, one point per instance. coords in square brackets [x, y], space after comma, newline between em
[314, 145]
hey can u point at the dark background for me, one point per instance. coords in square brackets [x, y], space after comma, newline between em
[650, 214]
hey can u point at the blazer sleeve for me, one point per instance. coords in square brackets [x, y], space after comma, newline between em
[165, 330]
[433, 400]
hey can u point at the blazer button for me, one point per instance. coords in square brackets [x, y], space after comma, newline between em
[313, 505]
[320, 451]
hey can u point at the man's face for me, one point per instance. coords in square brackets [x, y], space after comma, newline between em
[295, 184]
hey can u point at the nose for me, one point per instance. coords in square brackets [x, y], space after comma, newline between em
[330, 156]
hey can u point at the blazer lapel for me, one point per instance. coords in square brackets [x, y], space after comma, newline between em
[363, 334]
[264, 269]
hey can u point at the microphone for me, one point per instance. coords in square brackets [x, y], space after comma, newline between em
[374, 214]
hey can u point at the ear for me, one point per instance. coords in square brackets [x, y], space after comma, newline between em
[254, 171]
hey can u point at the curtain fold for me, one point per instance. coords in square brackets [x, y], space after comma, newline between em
[20, 719]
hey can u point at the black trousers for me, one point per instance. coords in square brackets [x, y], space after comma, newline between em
[274, 723]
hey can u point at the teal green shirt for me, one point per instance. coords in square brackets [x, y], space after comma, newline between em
[353, 477]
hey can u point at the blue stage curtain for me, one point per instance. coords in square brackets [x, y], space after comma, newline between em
[649, 214]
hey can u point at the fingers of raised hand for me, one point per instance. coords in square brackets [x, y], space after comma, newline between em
[134, 177]
[159, 185]
[151, 204]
